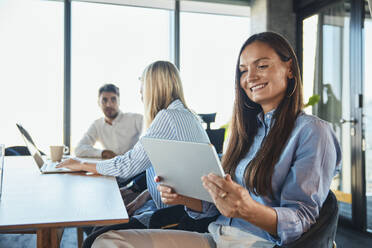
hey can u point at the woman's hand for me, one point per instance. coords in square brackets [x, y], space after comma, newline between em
[167, 194]
[169, 197]
[72, 164]
[234, 201]
[231, 199]
[76, 165]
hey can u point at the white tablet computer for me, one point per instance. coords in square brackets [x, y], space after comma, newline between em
[182, 164]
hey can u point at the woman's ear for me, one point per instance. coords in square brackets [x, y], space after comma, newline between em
[290, 71]
[290, 74]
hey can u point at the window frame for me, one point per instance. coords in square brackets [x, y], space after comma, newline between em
[233, 8]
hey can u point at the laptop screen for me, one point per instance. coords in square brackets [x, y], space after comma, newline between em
[31, 146]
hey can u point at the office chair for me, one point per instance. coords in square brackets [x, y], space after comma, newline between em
[216, 136]
[322, 234]
[18, 151]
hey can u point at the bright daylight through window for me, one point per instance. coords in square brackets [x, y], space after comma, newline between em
[210, 46]
[31, 71]
[110, 43]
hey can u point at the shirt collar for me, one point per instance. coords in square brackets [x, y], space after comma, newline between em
[176, 104]
[265, 119]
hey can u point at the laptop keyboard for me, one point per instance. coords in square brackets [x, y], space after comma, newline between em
[51, 166]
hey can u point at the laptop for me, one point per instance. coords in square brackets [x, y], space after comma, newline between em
[182, 164]
[45, 166]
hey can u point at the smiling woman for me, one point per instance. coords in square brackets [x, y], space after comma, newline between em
[279, 161]
[263, 75]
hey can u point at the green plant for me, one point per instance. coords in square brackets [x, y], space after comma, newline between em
[314, 99]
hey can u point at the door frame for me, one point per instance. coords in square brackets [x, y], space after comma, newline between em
[304, 9]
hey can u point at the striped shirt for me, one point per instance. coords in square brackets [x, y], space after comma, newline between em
[174, 123]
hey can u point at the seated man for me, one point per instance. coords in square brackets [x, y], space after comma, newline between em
[116, 131]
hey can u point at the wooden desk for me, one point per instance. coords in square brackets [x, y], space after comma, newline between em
[46, 202]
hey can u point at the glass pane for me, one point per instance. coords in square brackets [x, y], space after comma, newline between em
[209, 51]
[112, 44]
[310, 30]
[326, 73]
[367, 112]
[31, 71]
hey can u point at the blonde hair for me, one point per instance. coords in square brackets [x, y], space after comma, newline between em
[161, 86]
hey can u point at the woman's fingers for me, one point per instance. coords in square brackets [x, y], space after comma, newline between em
[228, 178]
[157, 179]
[165, 189]
[64, 163]
[213, 189]
[67, 162]
[169, 195]
[219, 181]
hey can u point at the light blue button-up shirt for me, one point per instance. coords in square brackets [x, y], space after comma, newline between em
[174, 123]
[301, 179]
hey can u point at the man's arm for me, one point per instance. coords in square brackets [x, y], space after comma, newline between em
[85, 146]
[107, 154]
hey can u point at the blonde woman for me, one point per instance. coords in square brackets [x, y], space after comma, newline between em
[166, 117]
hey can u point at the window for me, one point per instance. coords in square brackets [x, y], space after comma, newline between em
[367, 113]
[112, 44]
[326, 50]
[310, 28]
[209, 48]
[31, 71]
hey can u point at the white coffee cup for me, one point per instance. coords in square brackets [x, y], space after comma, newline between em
[56, 152]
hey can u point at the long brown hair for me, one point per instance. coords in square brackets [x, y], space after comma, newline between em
[244, 125]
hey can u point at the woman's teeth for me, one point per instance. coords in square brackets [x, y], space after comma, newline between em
[257, 87]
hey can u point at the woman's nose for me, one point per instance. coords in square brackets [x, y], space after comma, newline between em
[252, 75]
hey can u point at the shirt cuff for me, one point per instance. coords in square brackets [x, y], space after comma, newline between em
[289, 227]
[102, 167]
[207, 211]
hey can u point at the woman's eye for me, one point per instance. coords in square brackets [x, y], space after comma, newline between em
[262, 66]
[243, 72]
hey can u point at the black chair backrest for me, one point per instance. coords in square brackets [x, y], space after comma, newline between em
[17, 151]
[208, 119]
[216, 136]
[323, 232]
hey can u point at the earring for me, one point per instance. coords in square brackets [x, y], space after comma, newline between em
[248, 106]
[294, 87]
